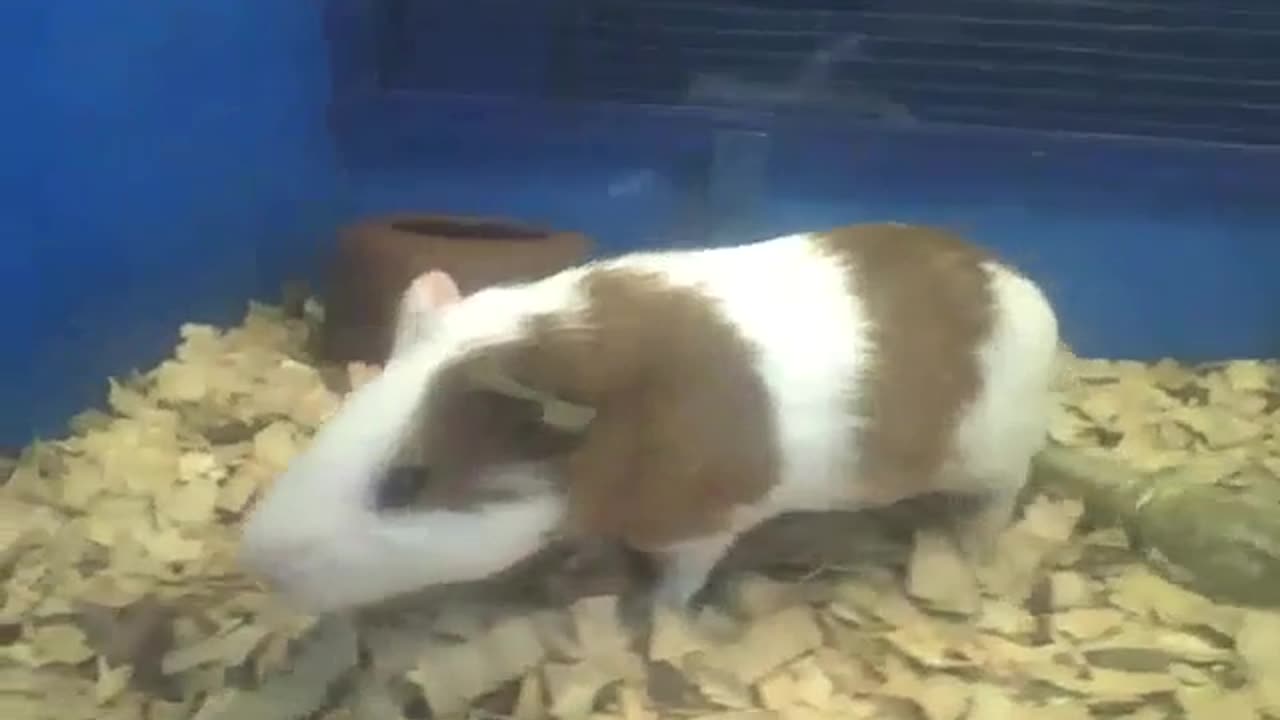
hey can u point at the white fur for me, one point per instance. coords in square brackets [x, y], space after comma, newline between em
[811, 332]
[793, 303]
[1009, 420]
[317, 539]
[315, 535]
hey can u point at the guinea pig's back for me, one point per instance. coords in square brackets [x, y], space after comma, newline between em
[854, 367]
[958, 353]
[723, 372]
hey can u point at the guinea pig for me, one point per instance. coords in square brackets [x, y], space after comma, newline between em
[669, 401]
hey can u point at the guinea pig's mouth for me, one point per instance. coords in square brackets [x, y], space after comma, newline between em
[368, 558]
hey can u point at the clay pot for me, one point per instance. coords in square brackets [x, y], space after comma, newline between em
[376, 259]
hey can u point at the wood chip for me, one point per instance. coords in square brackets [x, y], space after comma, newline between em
[121, 598]
[1215, 704]
[453, 675]
[766, 645]
[573, 688]
[674, 635]
[231, 648]
[1027, 548]
[755, 595]
[598, 627]
[1258, 642]
[940, 577]
[1142, 592]
[1069, 589]
[1088, 623]
[1005, 618]
[61, 644]
[990, 702]
[939, 697]
[1062, 710]
[530, 701]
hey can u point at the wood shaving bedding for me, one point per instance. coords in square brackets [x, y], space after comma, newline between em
[120, 597]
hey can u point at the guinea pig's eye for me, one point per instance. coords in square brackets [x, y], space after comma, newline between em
[401, 486]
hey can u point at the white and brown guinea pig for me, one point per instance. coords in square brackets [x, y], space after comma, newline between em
[669, 401]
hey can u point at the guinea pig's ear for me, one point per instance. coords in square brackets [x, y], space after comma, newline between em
[420, 306]
[485, 373]
[438, 287]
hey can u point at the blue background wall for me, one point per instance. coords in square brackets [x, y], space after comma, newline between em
[1156, 238]
[167, 161]
[173, 159]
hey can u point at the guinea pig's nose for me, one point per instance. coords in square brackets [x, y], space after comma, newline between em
[401, 486]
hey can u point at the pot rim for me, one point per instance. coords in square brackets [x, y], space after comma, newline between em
[503, 229]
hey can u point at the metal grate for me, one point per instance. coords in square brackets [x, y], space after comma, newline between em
[1184, 69]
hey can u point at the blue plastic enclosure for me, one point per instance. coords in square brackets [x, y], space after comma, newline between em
[165, 162]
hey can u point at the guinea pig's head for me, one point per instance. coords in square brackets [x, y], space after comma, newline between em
[442, 469]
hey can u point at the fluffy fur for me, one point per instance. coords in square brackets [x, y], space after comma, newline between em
[794, 320]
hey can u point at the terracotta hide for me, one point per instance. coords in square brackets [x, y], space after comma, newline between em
[376, 259]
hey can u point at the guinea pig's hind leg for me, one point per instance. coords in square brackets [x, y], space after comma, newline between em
[686, 566]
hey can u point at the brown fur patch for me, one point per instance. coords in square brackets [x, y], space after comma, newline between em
[683, 430]
[467, 429]
[931, 306]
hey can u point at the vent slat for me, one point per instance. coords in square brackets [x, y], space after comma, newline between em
[1178, 69]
